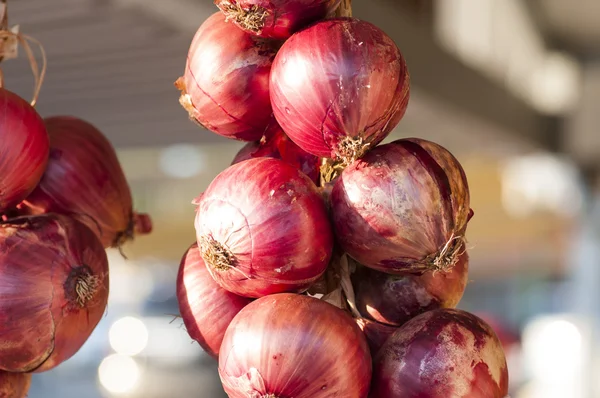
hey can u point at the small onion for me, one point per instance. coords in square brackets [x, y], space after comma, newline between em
[275, 144]
[84, 179]
[225, 86]
[404, 207]
[262, 228]
[395, 299]
[24, 148]
[288, 345]
[14, 385]
[339, 88]
[54, 289]
[277, 19]
[376, 333]
[206, 308]
[440, 354]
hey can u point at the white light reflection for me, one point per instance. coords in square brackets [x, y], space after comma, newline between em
[182, 161]
[540, 182]
[554, 353]
[128, 336]
[119, 374]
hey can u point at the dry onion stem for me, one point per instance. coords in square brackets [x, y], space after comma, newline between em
[25, 41]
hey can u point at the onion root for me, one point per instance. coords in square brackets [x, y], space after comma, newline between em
[252, 19]
[215, 253]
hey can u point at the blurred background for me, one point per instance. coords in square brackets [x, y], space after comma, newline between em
[511, 87]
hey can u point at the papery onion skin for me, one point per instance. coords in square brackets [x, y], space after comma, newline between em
[395, 299]
[54, 284]
[339, 87]
[275, 19]
[225, 86]
[24, 149]
[288, 345]
[440, 354]
[263, 228]
[84, 179]
[275, 144]
[376, 333]
[205, 307]
[404, 207]
[14, 385]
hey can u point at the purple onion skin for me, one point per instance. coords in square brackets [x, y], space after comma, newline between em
[281, 18]
[277, 145]
[336, 79]
[440, 354]
[273, 221]
[376, 333]
[400, 205]
[395, 299]
[205, 307]
[227, 80]
[289, 345]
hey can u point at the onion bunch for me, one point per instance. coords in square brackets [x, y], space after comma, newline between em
[54, 285]
[84, 180]
[382, 239]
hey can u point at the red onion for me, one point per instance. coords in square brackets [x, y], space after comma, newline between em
[395, 299]
[262, 228]
[275, 18]
[84, 179]
[339, 88]
[376, 333]
[275, 144]
[14, 385]
[206, 308]
[24, 148]
[404, 207]
[440, 354]
[289, 345]
[54, 289]
[225, 87]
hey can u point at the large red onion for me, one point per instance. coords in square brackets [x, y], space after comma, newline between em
[339, 87]
[206, 308]
[262, 228]
[225, 86]
[403, 207]
[24, 148]
[396, 299]
[288, 345]
[14, 385]
[54, 289]
[84, 179]
[277, 19]
[440, 354]
[275, 144]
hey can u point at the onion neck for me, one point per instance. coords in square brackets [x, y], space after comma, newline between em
[251, 19]
[215, 254]
[81, 286]
[448, 256]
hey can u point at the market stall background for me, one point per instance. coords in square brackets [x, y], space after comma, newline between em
[509, 86]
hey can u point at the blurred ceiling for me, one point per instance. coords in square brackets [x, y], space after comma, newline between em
[574, 24]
